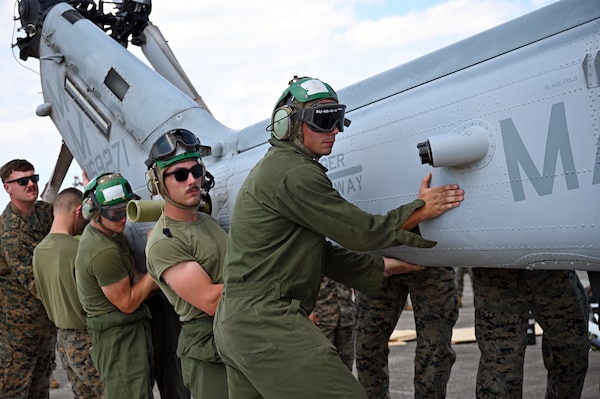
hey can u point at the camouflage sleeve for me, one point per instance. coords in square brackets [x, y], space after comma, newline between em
[326, 292]
[19, 239]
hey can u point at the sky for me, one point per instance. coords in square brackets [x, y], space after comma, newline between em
[240, 55]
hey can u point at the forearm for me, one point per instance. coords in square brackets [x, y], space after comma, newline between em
[208, 299]
[413, 220]
[357, 270]
[138, 294]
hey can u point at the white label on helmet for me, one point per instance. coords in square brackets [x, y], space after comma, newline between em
[314, 86]
[113, 193]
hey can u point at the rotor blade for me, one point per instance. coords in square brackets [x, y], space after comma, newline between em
[163, 60]
[58, 175]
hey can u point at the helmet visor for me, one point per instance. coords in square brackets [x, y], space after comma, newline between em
[166, 145]
[324, 117]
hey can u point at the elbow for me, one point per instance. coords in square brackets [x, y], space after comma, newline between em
[127, 308]
[211, 312]
[211, 309]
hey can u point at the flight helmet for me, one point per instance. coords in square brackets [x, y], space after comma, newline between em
[174, 146]
[107, 195]
[302, 101]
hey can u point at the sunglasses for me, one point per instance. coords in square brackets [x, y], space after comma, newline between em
[323, 118]
[23, 181]
[113, 214]
[182, 174]
[166, 145]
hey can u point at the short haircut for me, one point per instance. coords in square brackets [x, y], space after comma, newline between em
[20, 165]
[67, 199]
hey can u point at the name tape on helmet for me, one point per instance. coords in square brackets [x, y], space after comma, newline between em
[113, 193]
[314, 86]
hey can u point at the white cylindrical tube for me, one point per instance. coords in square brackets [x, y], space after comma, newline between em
[459, 148]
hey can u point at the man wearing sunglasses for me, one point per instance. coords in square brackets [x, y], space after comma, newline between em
[112, 292]
[185, 254]
[27, 335]
[277, 252]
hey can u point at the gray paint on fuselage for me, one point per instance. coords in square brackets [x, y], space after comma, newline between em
[346, 180]
[596, 178]
[109, 159]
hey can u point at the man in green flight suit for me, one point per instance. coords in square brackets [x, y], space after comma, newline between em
[185, 253]
[112, 292]
[277, 253]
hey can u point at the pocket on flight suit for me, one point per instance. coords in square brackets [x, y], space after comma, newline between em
[248, 338]
[197, 347]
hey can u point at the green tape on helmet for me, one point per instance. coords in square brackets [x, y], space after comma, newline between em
[306, 89]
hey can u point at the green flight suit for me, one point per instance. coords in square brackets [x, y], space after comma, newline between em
[122, 343]
[277, 253]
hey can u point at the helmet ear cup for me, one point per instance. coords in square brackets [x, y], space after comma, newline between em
[152, 181]
[88, 208]
[282, 125]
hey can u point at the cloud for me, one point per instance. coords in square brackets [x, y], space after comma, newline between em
[241, 54]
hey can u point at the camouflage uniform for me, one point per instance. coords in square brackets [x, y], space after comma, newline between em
[335, 317]
[74, 352]
[433, 295]
[26, 333]
[503, 298]
[460, 278]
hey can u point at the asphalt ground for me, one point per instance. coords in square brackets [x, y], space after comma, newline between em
[464, 372]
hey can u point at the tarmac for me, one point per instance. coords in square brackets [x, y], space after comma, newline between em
[464, 372]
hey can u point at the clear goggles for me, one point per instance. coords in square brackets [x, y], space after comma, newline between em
[324, 117]
[115, 214]
[166, 145]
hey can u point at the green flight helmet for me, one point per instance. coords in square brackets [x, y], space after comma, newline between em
[105, 191]
[173, 146]
[301, 93]
[305, 89]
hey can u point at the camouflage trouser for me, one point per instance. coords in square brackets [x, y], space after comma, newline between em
[343, 340]
[460, 278]
[73, 350]
[434, 299]
[503, 298]
[25, 361]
